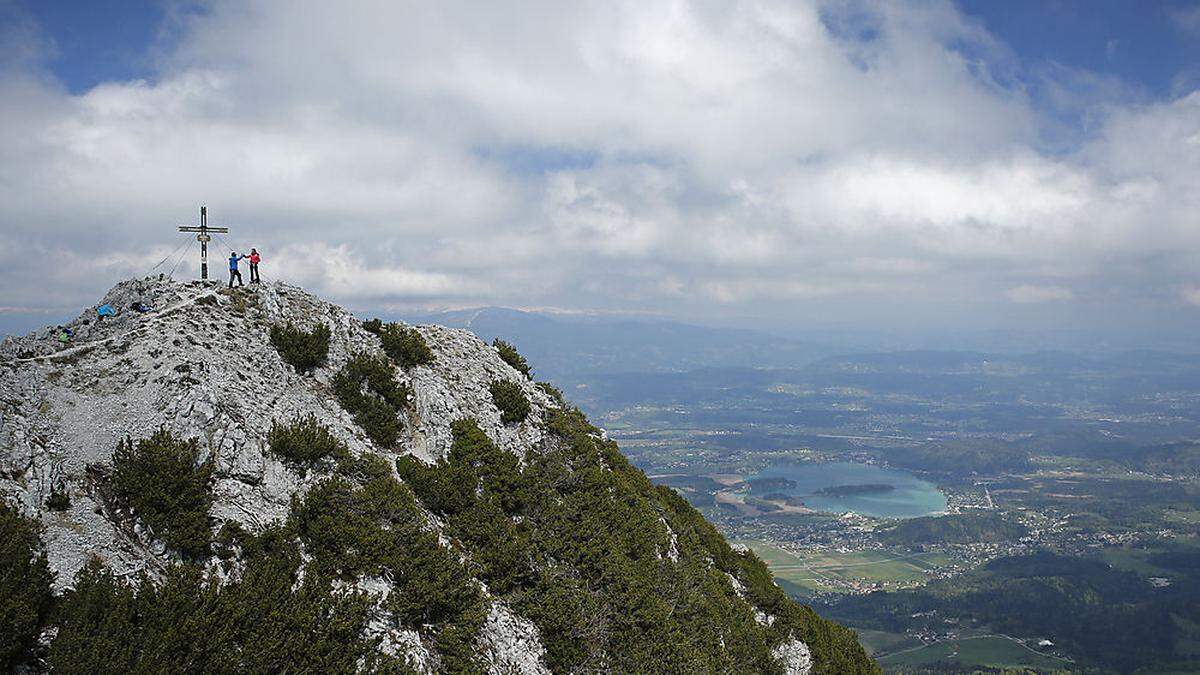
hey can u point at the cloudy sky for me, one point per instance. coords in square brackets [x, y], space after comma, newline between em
[949, 163]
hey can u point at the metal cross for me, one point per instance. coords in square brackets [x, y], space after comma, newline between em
[203, 237]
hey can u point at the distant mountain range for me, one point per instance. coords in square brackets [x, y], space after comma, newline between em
[567, 348]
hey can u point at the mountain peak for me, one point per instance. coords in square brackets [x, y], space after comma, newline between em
[564, 556]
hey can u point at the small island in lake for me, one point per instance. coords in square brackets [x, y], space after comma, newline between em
[770, 484]
[854, 490]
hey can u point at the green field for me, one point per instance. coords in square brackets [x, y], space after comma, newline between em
[972, 652]
[822, 571]
[880, 642]
[1131, 560]
[1189, 517]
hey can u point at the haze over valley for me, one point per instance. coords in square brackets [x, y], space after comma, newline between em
[907, 491]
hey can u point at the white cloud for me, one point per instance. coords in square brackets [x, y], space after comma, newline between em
[653, 156]
[1029, 293]
[1186, 18]
[1191, 295]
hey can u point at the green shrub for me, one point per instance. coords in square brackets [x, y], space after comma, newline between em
[305, 444]
[230, 538]
[58, 500]
[474, 468]
[511, 400]
[594, 554]
[619, 575]
[97, 625]
[511, 356]
[267, 620]
[405, 345]
[305, 350]
[373, 326]
[342, 525]
[554, 393]
[377, 529]
[376, 408]
[835, 648]
[25, 579]
[162, 483]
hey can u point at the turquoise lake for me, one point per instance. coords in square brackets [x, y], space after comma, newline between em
[912, 497]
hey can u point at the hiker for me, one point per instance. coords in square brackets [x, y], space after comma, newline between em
[254, 258]
[233, 269]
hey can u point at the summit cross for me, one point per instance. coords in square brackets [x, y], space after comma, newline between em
[204, 237]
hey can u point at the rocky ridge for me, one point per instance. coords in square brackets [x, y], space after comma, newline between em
[200, 364]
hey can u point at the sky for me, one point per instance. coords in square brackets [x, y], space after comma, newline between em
[945, 166]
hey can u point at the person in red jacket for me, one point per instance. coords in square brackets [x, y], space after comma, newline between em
[254, 258]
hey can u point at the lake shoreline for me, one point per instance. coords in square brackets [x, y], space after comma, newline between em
[833, 487]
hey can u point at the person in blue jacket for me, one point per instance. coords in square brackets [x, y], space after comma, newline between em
[233, 269]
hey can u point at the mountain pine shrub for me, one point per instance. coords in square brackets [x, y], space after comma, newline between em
[367, 389]
[511, 356]
[160, 480]
[554, 393]
[58, 499]
[305, 444]
[405, 345]
[511, 400]
[25, 579]
[377, 529]
[305, 350]
[578, 541]
[265, 620]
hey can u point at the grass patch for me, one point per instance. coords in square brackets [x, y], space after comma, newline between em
[965, 654]
[877, 641]
[161, 481]
[825, 571]
[304, 350]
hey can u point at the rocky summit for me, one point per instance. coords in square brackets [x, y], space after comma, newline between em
[198, 478]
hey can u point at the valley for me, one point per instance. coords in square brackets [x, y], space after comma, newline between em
[872, 484]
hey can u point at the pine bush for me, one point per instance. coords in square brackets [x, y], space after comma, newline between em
[367, 389]
[162, 482]
[58, 500]
[25, 579]
[305, 444]
[511, 400]
[267, 620]
[512, 357]
[304, 350]
[405, 345]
